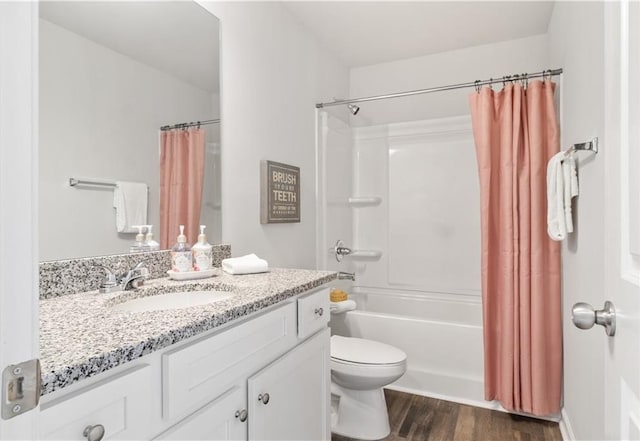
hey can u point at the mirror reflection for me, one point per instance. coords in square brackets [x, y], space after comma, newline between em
[112, 74]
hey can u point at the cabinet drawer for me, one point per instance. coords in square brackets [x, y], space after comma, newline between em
[193, 375]
[313, 312]
[120, 403]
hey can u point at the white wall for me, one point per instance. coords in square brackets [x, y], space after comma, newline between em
[272, 73]
[453, 67]
[581, 55]
[99, 117]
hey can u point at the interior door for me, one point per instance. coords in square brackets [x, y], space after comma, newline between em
[18, 199]
[622, 218]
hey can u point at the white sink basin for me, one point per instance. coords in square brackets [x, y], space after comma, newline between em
[174, 300]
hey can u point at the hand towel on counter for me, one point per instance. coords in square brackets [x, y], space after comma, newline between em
[130, 199]
[249, 264]
[562, 186]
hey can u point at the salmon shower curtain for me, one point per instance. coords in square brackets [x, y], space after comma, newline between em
[181, 178]
[516, 133]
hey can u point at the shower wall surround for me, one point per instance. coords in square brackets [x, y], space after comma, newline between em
[62, 277]
[417, 155]
[428, 223]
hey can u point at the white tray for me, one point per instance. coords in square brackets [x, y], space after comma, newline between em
[191, 275]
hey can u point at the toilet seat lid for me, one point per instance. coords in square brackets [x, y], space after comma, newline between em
[360, 350]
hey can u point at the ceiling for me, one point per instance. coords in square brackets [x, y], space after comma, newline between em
[176, 37]
[362, 33]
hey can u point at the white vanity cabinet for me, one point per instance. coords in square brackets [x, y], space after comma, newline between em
[266, 377]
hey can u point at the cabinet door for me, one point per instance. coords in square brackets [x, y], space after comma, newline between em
[289, 399]
[222, 419]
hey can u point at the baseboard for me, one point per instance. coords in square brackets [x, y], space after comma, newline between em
[491, 405]
[565, 427]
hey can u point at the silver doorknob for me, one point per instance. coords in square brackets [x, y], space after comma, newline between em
[94, 433]
[584, 317]
[264, 398]
[242, 415]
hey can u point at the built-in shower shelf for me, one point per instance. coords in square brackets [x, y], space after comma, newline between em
[365, 201]
[364, 255]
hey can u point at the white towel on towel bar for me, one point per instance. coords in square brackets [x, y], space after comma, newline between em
[130, 199]
[562, 186]
[248, 264]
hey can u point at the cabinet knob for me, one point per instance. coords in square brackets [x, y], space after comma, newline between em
[242, 415]
[264, 398]
[94, 433]
[319, 312]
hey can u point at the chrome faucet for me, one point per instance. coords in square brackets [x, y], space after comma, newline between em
[133, 279]
[346, 276]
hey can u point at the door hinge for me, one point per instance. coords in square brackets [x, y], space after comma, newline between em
[20, 388]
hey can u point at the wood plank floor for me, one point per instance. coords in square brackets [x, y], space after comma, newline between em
[417, 418]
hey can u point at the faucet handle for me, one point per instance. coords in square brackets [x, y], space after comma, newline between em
[139, 271]
[110, 282]
[110, 277]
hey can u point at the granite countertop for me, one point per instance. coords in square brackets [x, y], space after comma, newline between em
[80, 336]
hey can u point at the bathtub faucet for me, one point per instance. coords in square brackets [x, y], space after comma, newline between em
[346, 276]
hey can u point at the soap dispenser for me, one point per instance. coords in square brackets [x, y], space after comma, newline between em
[149, 242]
[139, 244]
[202, 252]
[181, 257]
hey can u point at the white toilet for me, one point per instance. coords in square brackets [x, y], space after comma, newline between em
[359, 370]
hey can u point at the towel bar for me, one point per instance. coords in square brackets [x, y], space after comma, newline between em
[85, 181]
[589, 146]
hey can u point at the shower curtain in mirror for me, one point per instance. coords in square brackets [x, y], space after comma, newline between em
[516, 133]
[181, 178]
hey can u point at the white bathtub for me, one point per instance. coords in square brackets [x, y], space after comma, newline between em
[440, 333]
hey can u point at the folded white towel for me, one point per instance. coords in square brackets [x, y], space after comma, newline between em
[562, 186]
[130, 199]
[248, 264]
[570, 182]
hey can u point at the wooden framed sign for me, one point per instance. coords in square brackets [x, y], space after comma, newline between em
[279, 193]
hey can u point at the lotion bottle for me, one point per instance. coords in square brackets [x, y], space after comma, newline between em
[139, 244]
[202, 253]
[149, 242]
[181, 257]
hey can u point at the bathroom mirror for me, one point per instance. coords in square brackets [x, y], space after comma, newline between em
[111, 74]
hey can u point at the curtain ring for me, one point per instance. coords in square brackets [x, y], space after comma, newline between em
[546, 75]
[490, 83]
[476, 85]
[524, 80]
[198, 126]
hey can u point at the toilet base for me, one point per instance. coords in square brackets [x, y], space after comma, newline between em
[360, 414]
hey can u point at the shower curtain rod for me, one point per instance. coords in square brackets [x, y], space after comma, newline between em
[190, 124]
[477, 84]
